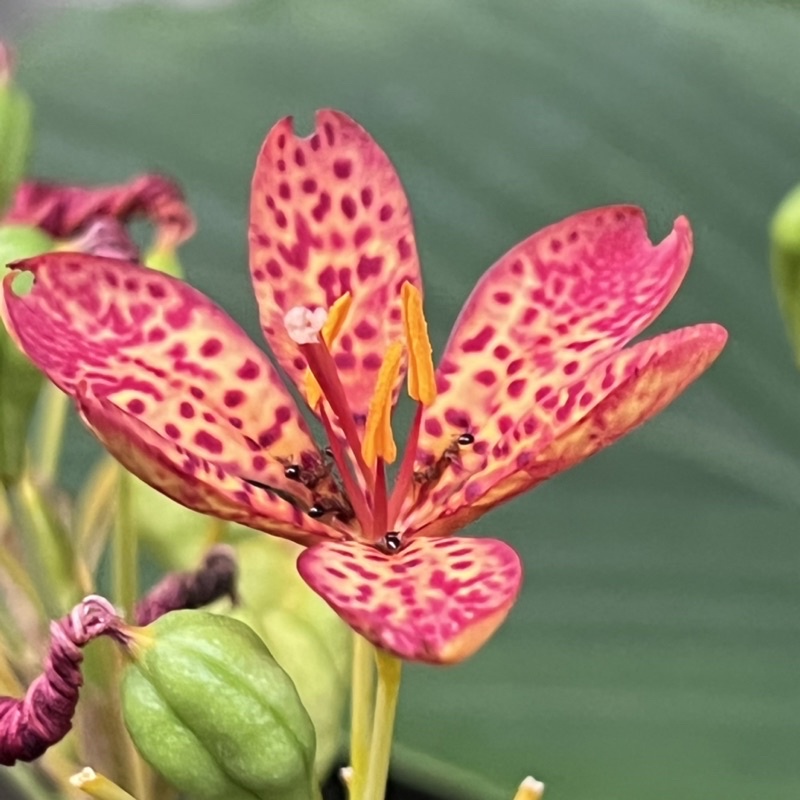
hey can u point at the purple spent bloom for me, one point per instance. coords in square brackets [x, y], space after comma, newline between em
[30, 725]
[215, 578]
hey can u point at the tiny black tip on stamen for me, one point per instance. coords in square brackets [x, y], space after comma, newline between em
[328, 452]
[316, 511]
[292, 472]
[392, 541]
[465, 439]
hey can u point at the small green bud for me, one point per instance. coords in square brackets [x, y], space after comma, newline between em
[785, 261]
[15, 130]
[210, 709]
[17, 405]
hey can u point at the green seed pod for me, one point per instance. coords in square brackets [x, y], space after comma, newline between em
[210, 709]
[785, 261]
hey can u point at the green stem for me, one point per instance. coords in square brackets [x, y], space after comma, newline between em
[25, 781]
[362, 709]
[46, 545]
[49, 435]
[389, 672]
[125, 546]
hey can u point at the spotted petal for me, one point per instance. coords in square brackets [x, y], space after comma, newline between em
[190, 478]
[615, 397]
[434, 601]
[165, 353]
[63, 211]
[328, 215]
[542, 317]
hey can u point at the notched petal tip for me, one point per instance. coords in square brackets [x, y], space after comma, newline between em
[436, 601]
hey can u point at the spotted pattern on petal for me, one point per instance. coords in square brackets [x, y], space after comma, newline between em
[190, 478]
[544, 315]
[434, 600]
[616, 396]
[328, 216]
[163, 352]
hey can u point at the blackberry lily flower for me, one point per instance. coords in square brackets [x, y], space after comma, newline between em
[533, 380]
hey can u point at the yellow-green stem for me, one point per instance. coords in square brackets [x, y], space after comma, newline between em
[362, 709]
[46, 545]
[125, 546]
[49, 436]
[98, 786]
[389, 672]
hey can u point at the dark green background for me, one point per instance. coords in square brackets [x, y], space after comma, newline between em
[654, 652]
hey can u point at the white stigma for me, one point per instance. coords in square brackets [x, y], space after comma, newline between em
[303, 325]
[530, 789]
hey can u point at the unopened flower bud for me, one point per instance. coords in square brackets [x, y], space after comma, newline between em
[15, 130]
[210, 709]
[785, 262]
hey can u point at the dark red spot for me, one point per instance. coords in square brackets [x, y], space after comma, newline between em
[197, 392]
[349, 208]
[270, 202]
[322, 207]
[233, 398]
[299, 362]
[365, 330]
[541, 393]
[309, 186]
[529, 316]
[505, 423]
[479, 341]
[433, 427]
[458, 419]
[274, 268]
[515, 366]
[573, 237]
[501, 352]
[586, 399]
[608, 381]
[259, 462]
[570, 368]
[131, 284]
[187, 410]
[208, 417]
[211, 347]
[284, 191]
[555, 245]
[156, 290]
[517, 268]
[369, 266]
[366, 197]
[504, 298]
[403, 248]
[157, 335]
[172, 431]
[516, 388]
[283, 414]
[342, 167]
[385, 214]
[135, 406]
[280, 219]
[486, 377]
[281, 165]
[299, 157]
[208, 442]
[236, 422]
[248, 371]
[372, 361]
[345, 360]
[363, 234]
[329, 132]
[282, 141]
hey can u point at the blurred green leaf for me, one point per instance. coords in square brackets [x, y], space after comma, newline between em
[654, 650]
[16, 116]
[785, 256]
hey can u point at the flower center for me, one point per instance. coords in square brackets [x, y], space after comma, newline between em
[362, 460]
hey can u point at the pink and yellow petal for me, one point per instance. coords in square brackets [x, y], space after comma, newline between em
[545, 314]
[191, 478]
[162, 351]
[617, 396]
[434, 601]
[63, 211]
[329, 215]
